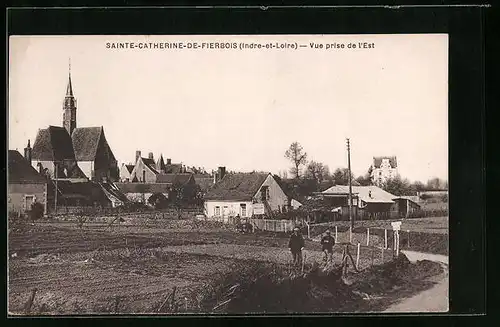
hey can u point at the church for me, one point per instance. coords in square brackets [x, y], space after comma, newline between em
[71, 152]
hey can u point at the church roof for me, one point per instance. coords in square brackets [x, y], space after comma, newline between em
[20, 170]
[52, 143]
[85, 142]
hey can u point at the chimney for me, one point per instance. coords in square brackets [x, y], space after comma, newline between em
[150, 156]
[137, 155]
[27, 152]
[215, 177]
[169, 161]
[221, 173]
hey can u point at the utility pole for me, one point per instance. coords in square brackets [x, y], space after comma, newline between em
[351, 218]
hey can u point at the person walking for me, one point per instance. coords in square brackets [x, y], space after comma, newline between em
[327, 243]
[296, 245]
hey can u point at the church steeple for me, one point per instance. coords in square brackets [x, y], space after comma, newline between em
[69, 88]
[69, 107]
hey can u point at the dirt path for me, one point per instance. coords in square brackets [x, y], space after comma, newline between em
[261, 253]
[432, 300]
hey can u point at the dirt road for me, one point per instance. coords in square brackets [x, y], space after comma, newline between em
[432, 300]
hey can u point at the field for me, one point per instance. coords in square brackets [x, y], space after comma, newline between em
[132, 269]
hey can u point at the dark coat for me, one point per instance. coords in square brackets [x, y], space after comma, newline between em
[296, 242]
[327, 242]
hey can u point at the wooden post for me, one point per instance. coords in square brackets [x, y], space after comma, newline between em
[372, 255]
[357, 255]
[336, 234]
[383, 250]
[408, 239]
[397, 243]
[350, 234]
[385, 236]
[368, 237]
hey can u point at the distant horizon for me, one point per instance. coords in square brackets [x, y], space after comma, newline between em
[243, 109]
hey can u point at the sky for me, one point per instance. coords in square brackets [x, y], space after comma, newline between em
[242, 108]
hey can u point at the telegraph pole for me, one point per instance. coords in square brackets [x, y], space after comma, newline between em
[351, 218]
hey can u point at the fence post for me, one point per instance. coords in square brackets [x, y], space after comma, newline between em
[408, 239]
[357, 256]
[368, 237]
[350, 234]
[397, 243]
[336, 234]
[385, 236]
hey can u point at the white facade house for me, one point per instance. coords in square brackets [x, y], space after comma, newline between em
[384, 168]
[244, 195]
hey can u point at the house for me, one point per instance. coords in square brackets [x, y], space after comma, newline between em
[183, 185]
[383, 168]
[204, 182]
[144, 169]
[126, 172]
[69, 151]
[141, 192]
[244, 194]
[84, 193]
[25, 184]
[367, 201]
[405, 205]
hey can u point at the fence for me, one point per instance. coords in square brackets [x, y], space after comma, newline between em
[273, 225]
[69, 211]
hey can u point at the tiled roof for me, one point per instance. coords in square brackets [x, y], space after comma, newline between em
[237, 187]
[377, 161]
[52, 143]
[129, 168]
[85, 190]
[369, 194]
[114, 190]
[205, 183]
[179, 179]
[85, 142]
[173, 169]
[143, 187]
[20, 170]
[150, 163]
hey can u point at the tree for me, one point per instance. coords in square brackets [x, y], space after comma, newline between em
[397, 186]
[366, 179]
[437, 184]
[297, 156]
[341, 176]
[317, 171]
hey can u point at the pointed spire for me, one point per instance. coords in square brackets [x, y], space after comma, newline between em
[69, 88]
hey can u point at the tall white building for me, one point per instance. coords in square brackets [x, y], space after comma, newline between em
[384, 168]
